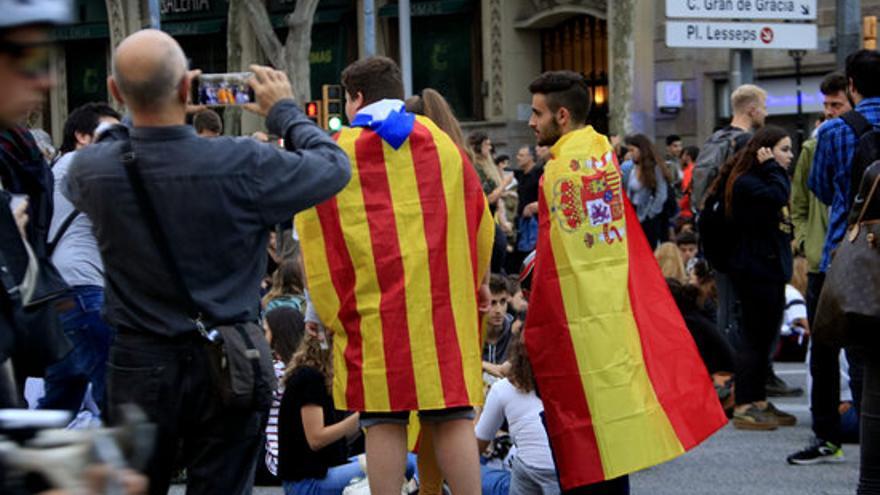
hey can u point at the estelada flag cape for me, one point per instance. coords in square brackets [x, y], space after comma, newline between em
[622, 383]
[393, 265]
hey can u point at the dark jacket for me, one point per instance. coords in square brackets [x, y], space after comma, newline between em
[216, 199]
[763, 227]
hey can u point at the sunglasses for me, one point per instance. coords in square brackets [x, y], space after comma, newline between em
[31, 60]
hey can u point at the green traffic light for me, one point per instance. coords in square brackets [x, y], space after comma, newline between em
[334, 123]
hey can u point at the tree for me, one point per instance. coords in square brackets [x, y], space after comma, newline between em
[293, 55]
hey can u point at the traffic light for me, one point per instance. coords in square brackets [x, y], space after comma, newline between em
[313, 111]
[869, 32]
[332, 110]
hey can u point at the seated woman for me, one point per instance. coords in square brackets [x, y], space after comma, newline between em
[313, 453]
[513, 399]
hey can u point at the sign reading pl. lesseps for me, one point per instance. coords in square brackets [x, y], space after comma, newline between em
[699, 34]
[742, 9]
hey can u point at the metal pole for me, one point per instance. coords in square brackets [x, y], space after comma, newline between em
[849, 29]
[741, 68]
[798, 56]
[369, 28]
[405, 46]
[154, 14]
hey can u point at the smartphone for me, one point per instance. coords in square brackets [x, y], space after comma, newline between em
[220, 90]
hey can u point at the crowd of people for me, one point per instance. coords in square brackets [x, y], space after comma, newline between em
[305, 314]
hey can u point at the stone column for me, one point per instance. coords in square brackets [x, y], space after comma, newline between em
[631, 51]
[124, 17]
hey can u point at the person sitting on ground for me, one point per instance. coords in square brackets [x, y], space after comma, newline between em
[498, 329]
[287, 287]
[207, 123]
[687, 246]
[513, 399]
[284, 329]
[670, 261]
[312, 452]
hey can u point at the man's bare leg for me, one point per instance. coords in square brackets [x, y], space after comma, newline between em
[456, 448]
[386, 458]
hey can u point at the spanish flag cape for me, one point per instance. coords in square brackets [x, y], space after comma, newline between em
[619, 374]
[393, 264]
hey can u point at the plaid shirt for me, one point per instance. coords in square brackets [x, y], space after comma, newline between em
[830, 176]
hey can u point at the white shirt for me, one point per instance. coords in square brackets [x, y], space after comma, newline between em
[795, 309]
[523, 414]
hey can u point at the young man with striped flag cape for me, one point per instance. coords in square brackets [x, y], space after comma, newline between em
[394, 265]
[622, 383]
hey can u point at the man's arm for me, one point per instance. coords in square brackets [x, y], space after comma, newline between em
[800, 196]
[311, 170]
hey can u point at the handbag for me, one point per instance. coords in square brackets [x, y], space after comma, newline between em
[527, 234]
[239, 355]
[848, 311]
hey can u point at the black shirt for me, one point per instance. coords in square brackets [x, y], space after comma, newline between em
[527, 187]
[296, 460]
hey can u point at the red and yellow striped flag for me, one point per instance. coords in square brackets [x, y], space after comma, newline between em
[623, 385]
[393, 264]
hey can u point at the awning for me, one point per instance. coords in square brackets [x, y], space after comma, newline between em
[329, 16]
[206, 26]
[422, 9]
[81, 32]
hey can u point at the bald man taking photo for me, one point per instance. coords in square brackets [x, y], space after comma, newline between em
[215, 200]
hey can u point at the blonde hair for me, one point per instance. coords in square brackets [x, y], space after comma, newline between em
[669, 258]
[799, 274]
[310, 354]
[745, 96]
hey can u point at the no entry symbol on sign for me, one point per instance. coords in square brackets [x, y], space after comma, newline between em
[767, 35]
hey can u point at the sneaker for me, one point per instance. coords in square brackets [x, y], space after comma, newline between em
[754, 419]
[818, 452]
[782, 417]
[776, 387]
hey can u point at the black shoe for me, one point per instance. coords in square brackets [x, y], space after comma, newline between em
[818, 452]
[778, 388]
[782, 417]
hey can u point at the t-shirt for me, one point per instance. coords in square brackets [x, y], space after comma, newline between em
[523, 414]
[296, 460]
[527, 187]
[497, 353]
[795, 309]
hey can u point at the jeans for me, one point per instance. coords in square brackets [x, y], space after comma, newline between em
[869, 470]
[526, 480]
[170, 379]
[728, 310]
[338, 477]
[494, 481]
[762, 304]
[68, 379]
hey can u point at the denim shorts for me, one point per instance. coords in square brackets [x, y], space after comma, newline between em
[369, 419]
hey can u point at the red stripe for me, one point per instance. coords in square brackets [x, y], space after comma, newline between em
[342, 275]
[475, 203]
[551, 352]
[674, 366]
[385, 240]
[429, 177]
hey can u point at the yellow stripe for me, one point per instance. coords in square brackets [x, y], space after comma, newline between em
[461, 281]
[631, 427]
[317, 271]
[410, 224]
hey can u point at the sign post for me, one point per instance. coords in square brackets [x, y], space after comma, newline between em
[741, 35]
[787, 10]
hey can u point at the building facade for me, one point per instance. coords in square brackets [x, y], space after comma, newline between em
[481, 54]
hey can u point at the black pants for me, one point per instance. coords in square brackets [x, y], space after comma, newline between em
[825, 371]
[170, 380]
[761, 304]
[869, 476]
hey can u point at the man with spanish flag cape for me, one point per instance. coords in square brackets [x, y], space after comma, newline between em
[619, 374]
[396, 267]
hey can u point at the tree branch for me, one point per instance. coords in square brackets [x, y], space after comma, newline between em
[262, 25]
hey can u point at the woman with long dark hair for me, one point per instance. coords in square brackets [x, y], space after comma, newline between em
[648, 188]
[756, 190]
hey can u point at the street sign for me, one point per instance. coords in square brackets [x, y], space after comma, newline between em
[789, 10]
[744, 35]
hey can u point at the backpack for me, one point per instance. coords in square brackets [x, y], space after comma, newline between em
[717, 238]
[867, 152]
[718, 148]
